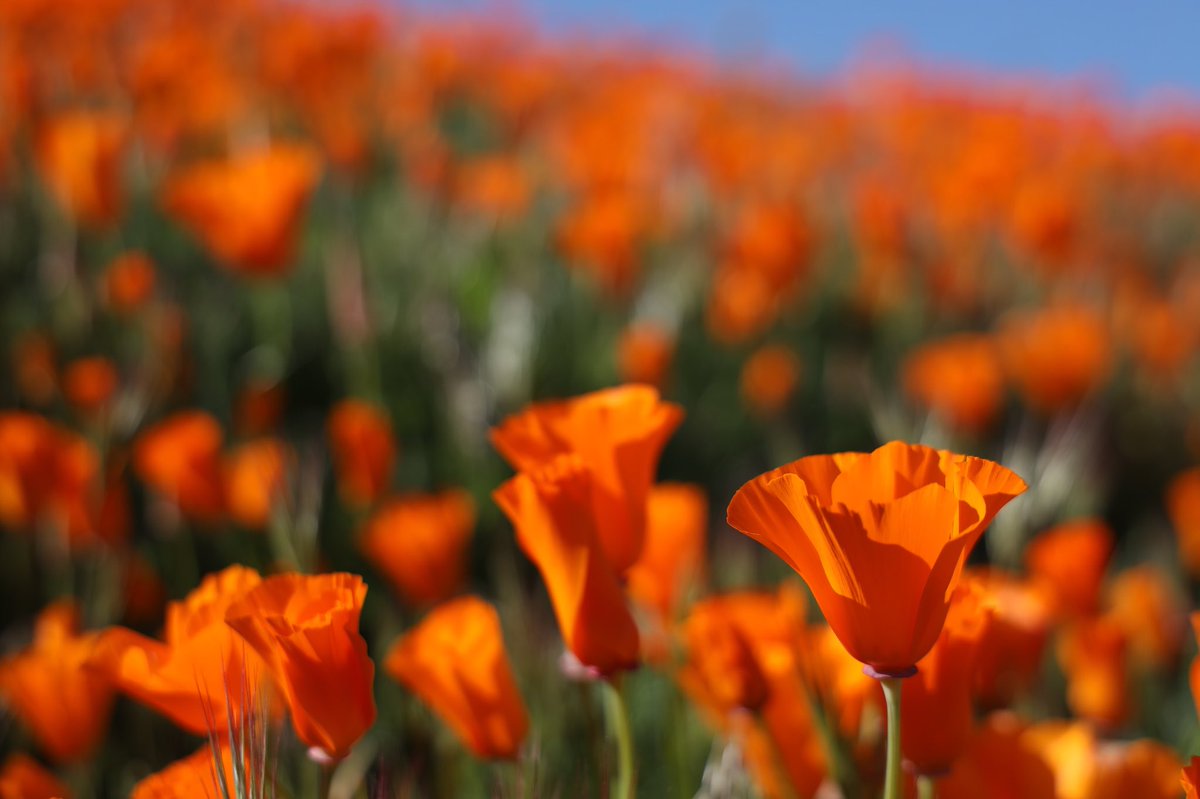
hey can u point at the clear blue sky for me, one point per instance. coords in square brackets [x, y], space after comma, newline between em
[1137, 48]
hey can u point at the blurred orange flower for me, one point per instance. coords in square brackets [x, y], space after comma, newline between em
[1070, 560]
[196, 775]
[1093, 655]
[200, 668]
[64, 705]
[255, 480]
[1189, 779]
[455, 661]
[720, 658]
[89, 384]
[1000, 762]
[419, 543]
[619, 433]
[1010, 656]
[552, 510]
[1183, 508]
[673, 557]
[769, 379]
[28, 446]
[306, 629]
[644, 354]
[1055, 356]
[363, 449]
[958, 378]
[22, 778]
[879, 538]
[79, 157]
[496, 187]
[247, 210]
[1151, 613]
[180, 457]
[129, 281]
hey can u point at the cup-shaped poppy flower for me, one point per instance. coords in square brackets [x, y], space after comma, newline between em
[180, 457]
[551, 509]
[1070, 560]
[455, 661]
[957, 378]
[21, 777]
[363, 450]
[255, 480]
[619, 433]
[64, 705]
[200, 669]
[419, 542]
[673, 556]
[247, 210]
[306, 629]
[880, 538]
[79, 158]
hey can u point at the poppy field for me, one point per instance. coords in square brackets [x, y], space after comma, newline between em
[401, 404]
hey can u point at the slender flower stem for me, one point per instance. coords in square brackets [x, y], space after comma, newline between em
[926, 787]
[893, 779]
[618, 719]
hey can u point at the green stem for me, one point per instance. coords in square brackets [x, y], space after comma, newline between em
[618, 719]
[893, 779]
[926, 787]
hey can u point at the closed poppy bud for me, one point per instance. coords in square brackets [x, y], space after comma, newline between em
[1092, 653]
[180, 457]
[957, 378]
[247, 209]
[255, 480]
[129, 282]
[551, 509]
[89, 384]
[722, 659]
[619, 433]
[200, 670]
[64, 705]
[1189, 779]
[1070, 560]
[1183, 508]
[196, 774]
[880, 538]
[1148, 608]
[22, 778]
[306, 629]
[1055, 357]
[644, 354]
[769, 379]
[363, 449]
[455, 661]
[419, 543]
[78, 155]
[672, 559]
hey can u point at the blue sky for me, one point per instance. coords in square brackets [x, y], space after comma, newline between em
[1136, 49]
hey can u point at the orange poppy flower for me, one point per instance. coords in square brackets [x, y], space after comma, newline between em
[200, 667]
[551, 509]
[603, 233]
[1183, 508]
[769, 379]
[720, 657]
[1093, 656]
[619, 433]
[129, 282]
[741, 304]
[836, 679]
[1148, 609]
[644, 354]
[1189, 779]
[79, 158]
[306, 629]
[496, 187]
[196, 775]
[28, 448]
[1142, 768]
[958, 378]
[89, 384]
[938, 715]
[455, 661]
[879, 538]
[1010, 656]
[255, 480]
[22, 778]
[673, 556]
[63, 704]
[180, 457]
[1055, 356]
[999, 763]
[419, 543]
[363, 449]
[1070, 561]
[247, 209]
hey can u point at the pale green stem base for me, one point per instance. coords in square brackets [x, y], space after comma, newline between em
[926, 787]
[894, 779]
[618, 721]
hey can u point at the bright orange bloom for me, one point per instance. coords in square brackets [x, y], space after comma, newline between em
[644, 354]
[247, 210]
[619, 433]
[673, 557]
[129, 282]
[939, 716]
[1189, 779]
[1070, 560]
[1010, 656]
[180, 457]
[879, 538]
[1093, 656]
[47, 687]
[198, 666]
[1000, 762]
[769, 379]
[603, 233]
[255, 480]
[835, 678]
[1055, 357]
[419, 543]
[363, 449]
[551, 509]
[1148, 609]
[958, 378]
[79, 158]
[721, 659]
[22, 778]
[455, 661]
[1183, 507]
[306, 629]
[89, 384]
[196, 775]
